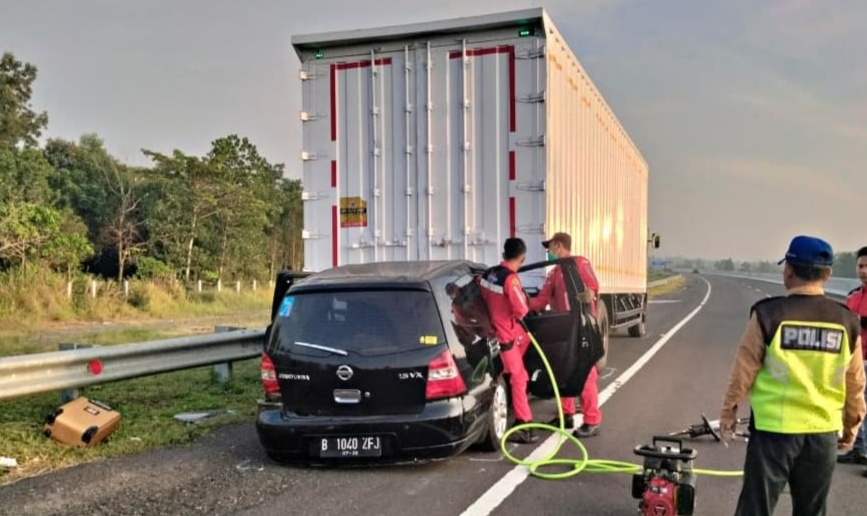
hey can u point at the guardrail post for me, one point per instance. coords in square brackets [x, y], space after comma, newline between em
[70, 394]
[223, 372]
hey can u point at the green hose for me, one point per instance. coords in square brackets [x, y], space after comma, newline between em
[584, 464]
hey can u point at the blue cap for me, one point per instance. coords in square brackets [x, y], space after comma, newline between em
[809, 251]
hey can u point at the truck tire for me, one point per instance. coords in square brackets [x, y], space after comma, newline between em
[639, 330]
[604, 330]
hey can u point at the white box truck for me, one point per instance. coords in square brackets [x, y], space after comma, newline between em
[440, 140]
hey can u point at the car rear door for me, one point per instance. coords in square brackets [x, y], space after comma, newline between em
[569, 338]
[355, 352]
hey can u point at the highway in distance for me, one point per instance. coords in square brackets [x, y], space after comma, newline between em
[227, 473]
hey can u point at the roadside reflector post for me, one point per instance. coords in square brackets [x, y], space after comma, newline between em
[70, 394]
[223, 372]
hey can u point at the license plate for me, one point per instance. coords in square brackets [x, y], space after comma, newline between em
[350, 447]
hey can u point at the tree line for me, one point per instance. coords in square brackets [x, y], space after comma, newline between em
[844, 265]
[71, 207]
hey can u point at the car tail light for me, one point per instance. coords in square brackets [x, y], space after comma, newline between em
[443, 378]
[269, 376]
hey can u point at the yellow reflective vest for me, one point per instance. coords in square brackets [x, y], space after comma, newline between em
[801, 387]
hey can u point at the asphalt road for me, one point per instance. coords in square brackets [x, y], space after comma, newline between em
[226, 473]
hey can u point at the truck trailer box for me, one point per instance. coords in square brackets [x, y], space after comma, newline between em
[440, 140]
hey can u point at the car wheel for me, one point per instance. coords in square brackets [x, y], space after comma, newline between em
[498, 417]
[604, 330]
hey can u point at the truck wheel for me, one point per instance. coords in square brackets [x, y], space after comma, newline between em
[604, 330]
[639, 330]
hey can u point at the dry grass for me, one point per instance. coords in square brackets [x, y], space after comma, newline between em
[672, 286]
[36, 314]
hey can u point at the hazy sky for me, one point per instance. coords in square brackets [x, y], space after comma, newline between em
[751, 114]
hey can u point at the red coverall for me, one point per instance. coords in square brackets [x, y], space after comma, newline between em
[554, 291]
[507, 305]
[857, 302]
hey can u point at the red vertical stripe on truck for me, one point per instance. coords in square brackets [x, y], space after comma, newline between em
[334, 251]
[512, 217]
[512, 96]
[333, 103]
[513, 167]
[334, 173]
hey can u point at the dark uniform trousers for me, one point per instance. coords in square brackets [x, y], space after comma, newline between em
[806, 461]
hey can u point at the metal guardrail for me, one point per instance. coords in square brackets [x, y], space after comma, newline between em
[26, 375]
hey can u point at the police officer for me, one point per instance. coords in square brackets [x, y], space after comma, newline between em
[507, 305]
[800, 362]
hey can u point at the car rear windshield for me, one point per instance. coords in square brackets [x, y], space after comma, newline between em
[368, 323]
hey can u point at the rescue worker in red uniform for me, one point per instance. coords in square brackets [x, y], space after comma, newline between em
[507, 305]
[857, 302]
[554, 293]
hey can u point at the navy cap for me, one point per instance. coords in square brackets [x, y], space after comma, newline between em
[809, 251]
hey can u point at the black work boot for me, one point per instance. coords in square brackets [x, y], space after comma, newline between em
[853, 457]
[586, 430]
[523, 436]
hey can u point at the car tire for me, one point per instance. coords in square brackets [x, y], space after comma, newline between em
[604, 330]
[498, 418]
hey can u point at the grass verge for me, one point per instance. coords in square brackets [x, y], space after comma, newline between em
[147, 406]
[36, 300]
[672, 286]
[34, 341]
[656, 275]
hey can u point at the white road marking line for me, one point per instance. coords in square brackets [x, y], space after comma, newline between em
[609, 372]
[497, 493]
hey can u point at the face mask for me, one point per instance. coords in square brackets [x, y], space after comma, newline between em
[551, 256]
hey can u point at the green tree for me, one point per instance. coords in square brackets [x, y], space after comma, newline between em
[24, 176]
[19, 124]
[190, 193]
[248, 189]
[724, 265]
[24, 228]
[69, 246]
[844, 265]
[767, 267]
[285, 245]
[104, 193]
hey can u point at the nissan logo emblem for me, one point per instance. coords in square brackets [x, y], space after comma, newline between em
[344, 372]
